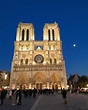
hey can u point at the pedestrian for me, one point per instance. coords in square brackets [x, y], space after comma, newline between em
[64, 94]
[14, 97]
[10, 94]
[18, 97]
[34, 93]
[30, 93]
[7, 95]
[2, 95]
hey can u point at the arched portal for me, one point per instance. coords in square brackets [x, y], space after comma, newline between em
[39, 80]
[23, 81]
[55, 81]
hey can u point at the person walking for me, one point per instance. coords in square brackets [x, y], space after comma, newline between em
[64, 94]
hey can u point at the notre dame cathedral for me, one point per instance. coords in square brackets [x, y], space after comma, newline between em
[38, 64]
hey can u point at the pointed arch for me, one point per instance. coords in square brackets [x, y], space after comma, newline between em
[50, 61]
[21, 61]
[55, 61]
[26, 61]
[54, 78]
[39, 77]
[22, 80]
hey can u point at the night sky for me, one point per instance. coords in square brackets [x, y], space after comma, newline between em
[71, 16]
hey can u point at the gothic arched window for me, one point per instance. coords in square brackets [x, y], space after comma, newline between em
[50, 60]
[55, 61]
[53, 34]
[27, 35]
[26, 61]
[21, 61]
[23, 34]
[49, 34]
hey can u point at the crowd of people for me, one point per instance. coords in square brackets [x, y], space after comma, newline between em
[16, 95]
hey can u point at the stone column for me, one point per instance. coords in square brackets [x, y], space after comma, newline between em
[33, 34]
[21, 34]
[25, 34]
[57, 34]
[45, 34]
[18, 34]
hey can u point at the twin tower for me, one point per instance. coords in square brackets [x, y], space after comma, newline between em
[38, 64]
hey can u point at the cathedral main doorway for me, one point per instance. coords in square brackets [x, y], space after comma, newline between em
[23, 82]
[39, 80]
[39, 85]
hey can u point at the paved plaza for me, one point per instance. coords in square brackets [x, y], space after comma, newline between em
[55, 102]
[27, 103]
[50, 102]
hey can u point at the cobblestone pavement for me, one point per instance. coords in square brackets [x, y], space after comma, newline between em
[55, 102]
[26, 104]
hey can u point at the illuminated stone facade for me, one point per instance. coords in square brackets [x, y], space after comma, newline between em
[38, 64]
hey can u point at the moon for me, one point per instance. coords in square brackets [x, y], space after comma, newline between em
[74, 45]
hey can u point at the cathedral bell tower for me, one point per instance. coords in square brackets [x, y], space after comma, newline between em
[25, 32]
[38, 64]
[51, 32]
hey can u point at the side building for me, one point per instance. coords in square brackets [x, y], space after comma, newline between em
[4, 79]
[38, 64]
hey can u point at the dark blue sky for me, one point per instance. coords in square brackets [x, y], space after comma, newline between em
[71, 16]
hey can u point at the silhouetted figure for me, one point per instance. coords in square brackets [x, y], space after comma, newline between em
[10, 94]
[64, 95]
[18, 97]
[2, 96]
[34, 92]
[30, 93]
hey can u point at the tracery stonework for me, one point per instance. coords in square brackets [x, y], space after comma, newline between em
[38, 64]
